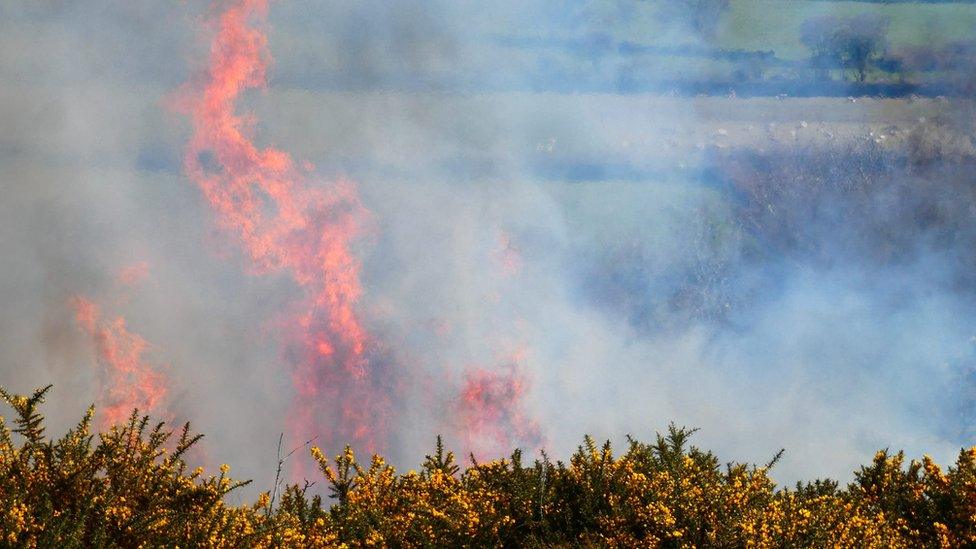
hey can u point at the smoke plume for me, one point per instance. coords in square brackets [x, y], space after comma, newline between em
[510, 224]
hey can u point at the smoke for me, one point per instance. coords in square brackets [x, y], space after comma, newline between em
[554, 244]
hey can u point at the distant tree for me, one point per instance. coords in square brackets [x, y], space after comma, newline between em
[856, 43]
[699, 16]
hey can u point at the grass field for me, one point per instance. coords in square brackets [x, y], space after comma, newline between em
[569, 129]
[775, 24]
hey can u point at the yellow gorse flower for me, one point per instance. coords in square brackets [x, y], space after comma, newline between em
[130, 486]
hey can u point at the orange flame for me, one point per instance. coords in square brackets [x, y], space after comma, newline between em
[490, 410]
[508, 255]
[283, 224]
[127, 380]
[133, 274]
[490, 402]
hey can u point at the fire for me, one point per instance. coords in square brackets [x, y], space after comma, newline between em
[133, 274]
[127, 380]
[491, 413]
[284, 224]
[508, 255]
[490, 402]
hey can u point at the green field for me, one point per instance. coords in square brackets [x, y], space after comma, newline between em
[775, 24]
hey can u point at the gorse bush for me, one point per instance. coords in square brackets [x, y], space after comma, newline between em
[125, 489]
[131, 487]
